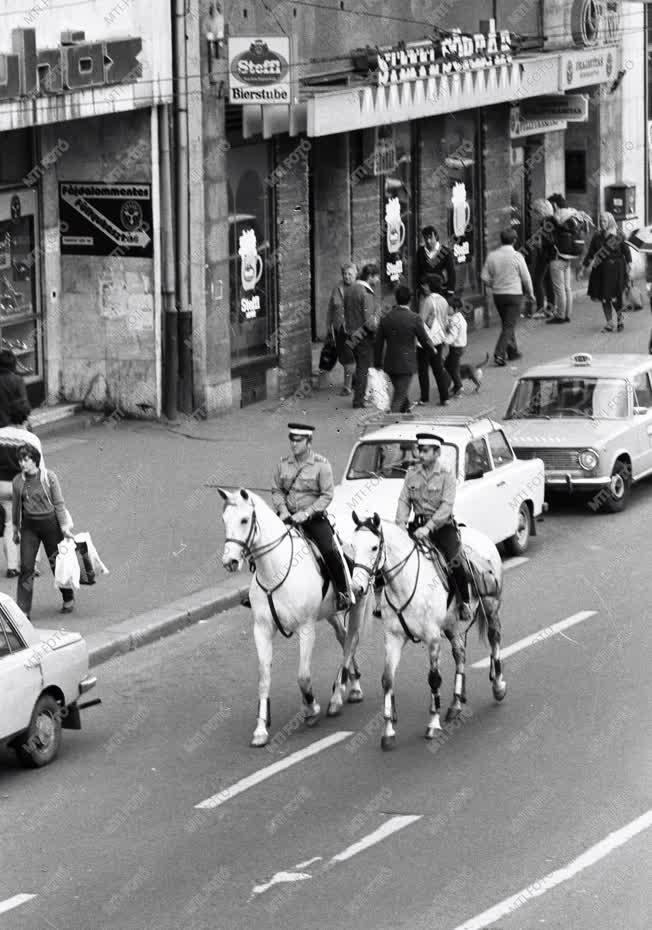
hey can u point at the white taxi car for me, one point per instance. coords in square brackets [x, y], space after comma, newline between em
[43, 675]
[589, 417]
[496, 493]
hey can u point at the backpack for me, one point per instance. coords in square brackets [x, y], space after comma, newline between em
[570, 238]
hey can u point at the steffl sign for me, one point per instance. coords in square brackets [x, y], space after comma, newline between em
[456, 53]
[75, 65]
[259, 70]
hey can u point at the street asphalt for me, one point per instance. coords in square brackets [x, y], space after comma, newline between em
[524, 801]
[147, 491]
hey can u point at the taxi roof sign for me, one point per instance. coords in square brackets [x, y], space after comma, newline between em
[581, 358]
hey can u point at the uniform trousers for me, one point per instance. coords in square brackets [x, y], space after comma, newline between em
[319, 529]
[447, 540]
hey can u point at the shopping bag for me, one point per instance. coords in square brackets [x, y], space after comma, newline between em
[379, 390]
[97, 565]
[328, 355]
[86, 570]
[66, 566]
[632, 299]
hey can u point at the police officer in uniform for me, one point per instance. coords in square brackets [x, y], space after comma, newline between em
[429, 490]
[303, 489]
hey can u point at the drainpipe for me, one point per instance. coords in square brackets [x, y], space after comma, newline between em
[184, 317]
[168, 284]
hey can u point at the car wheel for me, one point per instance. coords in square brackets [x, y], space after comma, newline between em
[618, 489]
[40, 743]
[518, 543]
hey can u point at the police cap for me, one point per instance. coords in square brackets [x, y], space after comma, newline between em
[301, 430]
[429, 439]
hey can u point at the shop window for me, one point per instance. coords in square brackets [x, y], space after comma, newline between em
[252, 255]
[576, 171]
[392, 163]
[460, 174]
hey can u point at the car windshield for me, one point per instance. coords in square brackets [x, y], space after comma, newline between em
[569, 396]
[391, 459]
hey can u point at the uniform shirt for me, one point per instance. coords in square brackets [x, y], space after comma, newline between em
[429, 493]
[506, 272]
[312, 491]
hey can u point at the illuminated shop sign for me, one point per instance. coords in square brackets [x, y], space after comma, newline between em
[74, 65]
[454, 53]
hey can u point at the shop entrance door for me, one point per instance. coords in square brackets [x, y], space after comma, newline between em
[20, 311]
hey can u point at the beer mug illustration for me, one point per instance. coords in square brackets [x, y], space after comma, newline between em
[461, 209]
[395, 225]
[251, 264]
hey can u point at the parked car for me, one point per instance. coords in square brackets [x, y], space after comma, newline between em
[43, 676]
[496, 493]
[589, 417]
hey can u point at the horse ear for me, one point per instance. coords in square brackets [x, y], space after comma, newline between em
[376, 520]
[355, 518]
[244, 494]
[223, 494]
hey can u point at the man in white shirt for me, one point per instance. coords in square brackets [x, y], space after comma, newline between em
[506, 273]
[433, 309]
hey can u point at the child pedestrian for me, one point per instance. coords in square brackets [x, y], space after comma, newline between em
[456, 341]
[39, 516]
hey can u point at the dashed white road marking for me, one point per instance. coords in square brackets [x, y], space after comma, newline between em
[539, 637]
[515, 562]
[10, 903]
[262, 774]
[586, 859]
[280, 878]
[392, 825]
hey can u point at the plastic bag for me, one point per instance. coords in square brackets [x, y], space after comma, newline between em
[632, 299]
[97, 564]
[66, 566]
[379, 390]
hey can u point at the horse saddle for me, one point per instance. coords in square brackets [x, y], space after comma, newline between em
[430, 551]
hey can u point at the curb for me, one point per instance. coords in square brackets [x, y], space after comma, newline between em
[156, 624]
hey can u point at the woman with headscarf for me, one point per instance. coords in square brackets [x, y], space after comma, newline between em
[610, 261]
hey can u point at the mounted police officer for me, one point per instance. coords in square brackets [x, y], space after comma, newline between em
[303, 489]
[429, 490]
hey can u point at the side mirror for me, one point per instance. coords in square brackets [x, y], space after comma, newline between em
[472, 475]
[639, 411]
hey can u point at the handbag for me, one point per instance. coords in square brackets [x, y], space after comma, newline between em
[632, 299]
[328, 354]
[86, 569]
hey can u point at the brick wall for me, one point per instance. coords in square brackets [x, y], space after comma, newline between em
[293, 250]
[496, 160]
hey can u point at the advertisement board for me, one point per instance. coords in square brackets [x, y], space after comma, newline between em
[106, 219]
[573, 108]
[259, 69]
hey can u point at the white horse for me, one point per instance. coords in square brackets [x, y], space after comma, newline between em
[287, 595]
[420, 610]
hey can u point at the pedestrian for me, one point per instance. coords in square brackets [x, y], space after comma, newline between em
[335, 324]
[14, 405]
[609, 261]
[39, 516]
[456, 341]
[435, 258]
[542, 251]
[12, 438]
[360, 324]
[400, 329]
[505, 272]
[433, 310]
[568, 239]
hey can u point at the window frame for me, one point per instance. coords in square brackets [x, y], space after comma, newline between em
[482, 439]
[7, 631]
[502, 435]
[647, 374]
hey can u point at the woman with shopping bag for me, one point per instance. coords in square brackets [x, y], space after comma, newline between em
[39, 516]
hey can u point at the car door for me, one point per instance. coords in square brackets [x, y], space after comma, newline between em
[474, 503]
[505, 514]
[20, 679]
[642, 385]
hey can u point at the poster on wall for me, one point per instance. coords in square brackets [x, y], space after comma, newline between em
[259, 69]
[106, 219]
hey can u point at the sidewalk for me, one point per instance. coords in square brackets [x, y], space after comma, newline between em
[147, 491]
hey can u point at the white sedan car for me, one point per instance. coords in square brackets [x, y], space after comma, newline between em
[43, 675]
[496, 493]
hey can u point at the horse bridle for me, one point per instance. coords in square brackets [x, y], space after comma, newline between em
[253, 553]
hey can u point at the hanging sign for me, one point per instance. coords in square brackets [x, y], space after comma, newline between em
[105, 219]
[571, 107]
[519, 126]
[592, 66]
[259, 70]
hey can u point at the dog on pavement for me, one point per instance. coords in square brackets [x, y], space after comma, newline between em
[474, 373]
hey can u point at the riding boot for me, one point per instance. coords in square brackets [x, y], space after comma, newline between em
[336, 571]
[462, 585]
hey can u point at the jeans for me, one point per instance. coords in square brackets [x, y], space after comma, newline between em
[560, 275]
[426, 359]
[33, 532]
[453, 359]
[509, 310]
[541, 283]
[364, 359]
[401, 385]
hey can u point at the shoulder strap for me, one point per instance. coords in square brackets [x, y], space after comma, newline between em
[294, 480]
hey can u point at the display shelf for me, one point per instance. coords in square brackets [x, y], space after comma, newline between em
[6, 321]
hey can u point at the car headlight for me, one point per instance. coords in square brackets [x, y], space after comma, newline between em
[588, 459]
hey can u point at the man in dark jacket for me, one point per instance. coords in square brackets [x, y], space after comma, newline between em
[360, 323]
[435, 258]
[14, 405]
[400, 329]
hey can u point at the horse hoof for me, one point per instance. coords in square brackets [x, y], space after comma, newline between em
[334, 710]
[452, 714]
[258, 740]
[499, 691]
[430, 732]
[387, 743]
[355, 697]
[313, 719]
